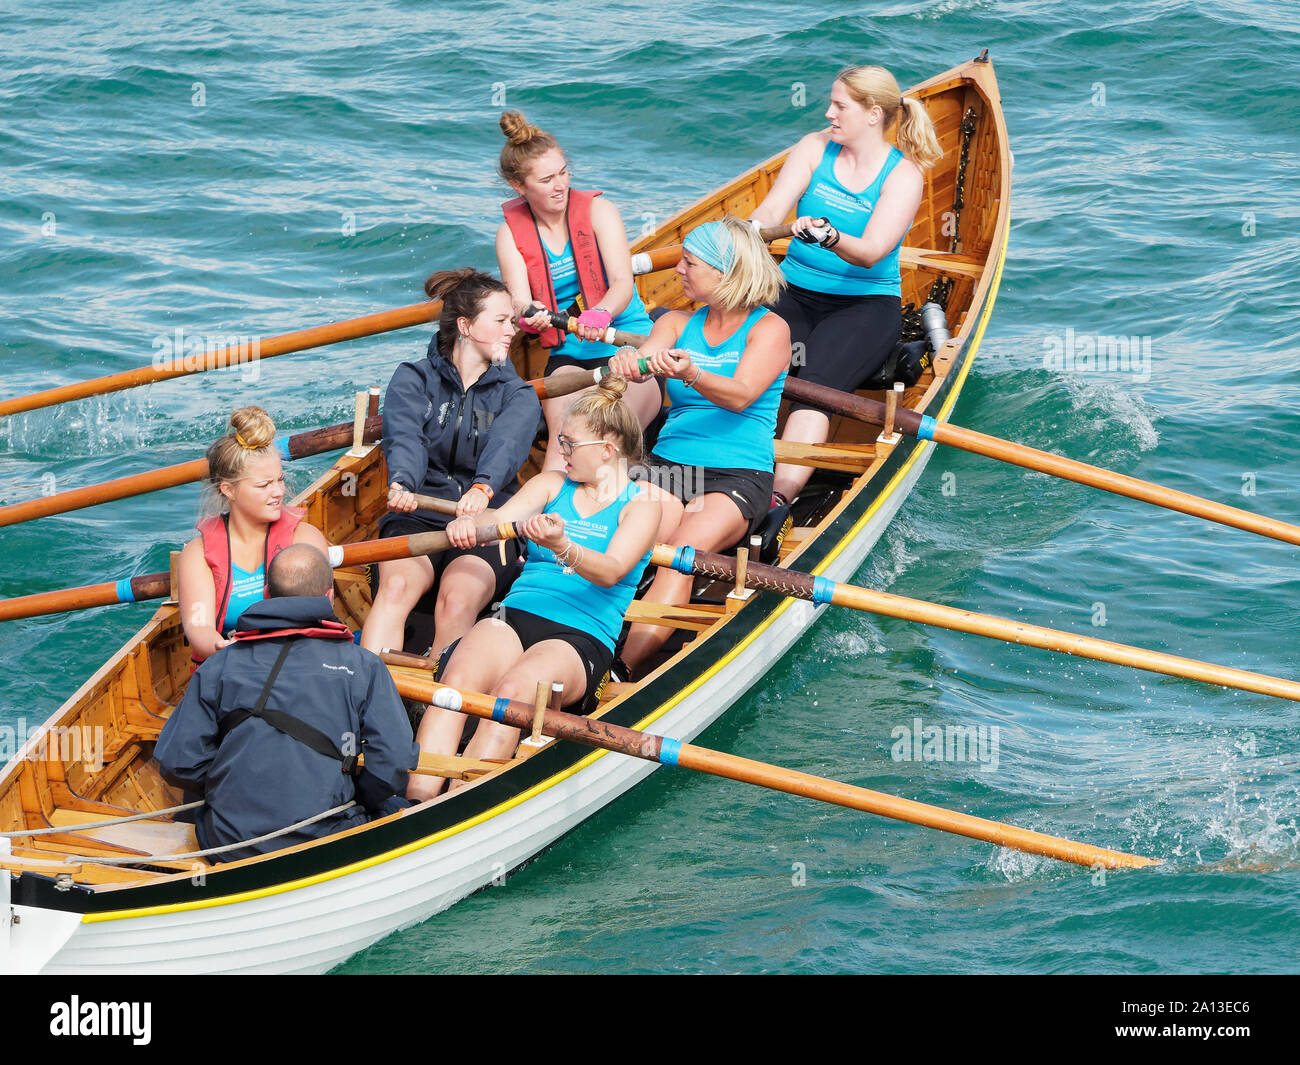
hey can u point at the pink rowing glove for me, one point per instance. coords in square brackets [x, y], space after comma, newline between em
[596, 318]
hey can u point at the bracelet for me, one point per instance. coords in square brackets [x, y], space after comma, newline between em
[691, 383]
[568, 567]
[485, 489]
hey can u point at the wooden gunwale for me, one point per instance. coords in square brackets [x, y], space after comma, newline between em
[141, 695]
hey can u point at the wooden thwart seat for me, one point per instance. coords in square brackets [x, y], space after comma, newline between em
[847, 458]
[953, 263]
[693, 616]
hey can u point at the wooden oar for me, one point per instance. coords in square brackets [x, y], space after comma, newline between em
[821, 590]
[300, 445]
[182, 366]
[649, 262]
[923, 427]
[592, 732]
[158, 585]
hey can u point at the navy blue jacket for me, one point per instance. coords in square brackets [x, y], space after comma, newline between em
[440, 439]
[257, 779]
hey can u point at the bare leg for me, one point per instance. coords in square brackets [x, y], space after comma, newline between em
[645, 399]
[465, 589]
[479, 663]
[802, 427]
[401, 584]
[717, 523]
[545, 662]
[554, 411]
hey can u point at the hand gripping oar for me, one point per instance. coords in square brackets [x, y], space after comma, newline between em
[300, 445]
[158, 585]
[821, 590]
[184, 365]
[923, 427]
[592, 732]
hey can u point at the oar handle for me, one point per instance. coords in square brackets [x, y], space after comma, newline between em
[656, 259]
[602, 735]
[438, 506]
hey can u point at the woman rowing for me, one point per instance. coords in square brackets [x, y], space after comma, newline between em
[457, 426]
[223, 571]
[591, 529]
[724, 366]
[857, 196]
[566, 250]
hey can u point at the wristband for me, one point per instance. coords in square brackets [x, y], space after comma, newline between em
[482, 488]
[698, 370]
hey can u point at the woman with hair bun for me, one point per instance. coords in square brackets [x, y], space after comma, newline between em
[590, 530]
[223, 571]
[458, 425]
[566, 250]
[724, 367]
[856, 197]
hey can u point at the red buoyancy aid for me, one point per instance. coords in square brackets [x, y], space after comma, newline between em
[216, 550]
[592, 282]
[329, 628]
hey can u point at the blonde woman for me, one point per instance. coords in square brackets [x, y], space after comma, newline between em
[856, 197]
[590, 529]
[724, 367]
[565, 249]
[223, 571]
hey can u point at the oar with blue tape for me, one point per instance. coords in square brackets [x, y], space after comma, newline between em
[148, 586]
[593, 732]
[923, 427]
[820, 590]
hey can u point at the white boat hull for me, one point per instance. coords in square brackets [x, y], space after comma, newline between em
[313, 927]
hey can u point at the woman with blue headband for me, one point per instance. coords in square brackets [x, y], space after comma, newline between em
[723, 367]
[855, 196]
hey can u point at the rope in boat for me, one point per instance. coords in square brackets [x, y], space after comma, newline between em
[150, 859]
[101, 824]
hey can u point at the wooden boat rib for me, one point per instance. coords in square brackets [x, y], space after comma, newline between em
[115, 898]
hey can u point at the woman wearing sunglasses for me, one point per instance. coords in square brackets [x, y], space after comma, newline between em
[590, 530]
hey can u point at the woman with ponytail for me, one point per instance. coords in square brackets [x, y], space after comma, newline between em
[458, 425]
[566, 250]
[590, 530]
[223, 571]
[856, 197]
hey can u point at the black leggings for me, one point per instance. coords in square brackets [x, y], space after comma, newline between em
[846, 339]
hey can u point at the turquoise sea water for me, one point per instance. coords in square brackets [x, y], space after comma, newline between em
[252, 168]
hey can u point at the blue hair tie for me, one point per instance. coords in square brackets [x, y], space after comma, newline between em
[712, 242]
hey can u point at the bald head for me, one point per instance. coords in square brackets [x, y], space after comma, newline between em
[299, 569]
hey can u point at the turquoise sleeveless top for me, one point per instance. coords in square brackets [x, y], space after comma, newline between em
[246, 588]
[564, 277]
[820, 269]
[699, 432]
[568, 599]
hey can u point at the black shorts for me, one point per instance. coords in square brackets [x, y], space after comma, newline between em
[532, 630]
[750, 490]
[846, 339]
[555, 362]
[397, 524]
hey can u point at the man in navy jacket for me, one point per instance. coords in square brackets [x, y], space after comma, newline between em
[269, 755]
